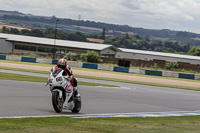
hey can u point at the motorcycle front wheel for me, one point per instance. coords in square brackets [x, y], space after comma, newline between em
[57, 102]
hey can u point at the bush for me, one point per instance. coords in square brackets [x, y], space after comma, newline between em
[194, 51]
[155, 66]
[171, 65]
[69, 56]
[83, 57]
[90, 56]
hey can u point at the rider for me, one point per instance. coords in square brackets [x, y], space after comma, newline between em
[62, 63]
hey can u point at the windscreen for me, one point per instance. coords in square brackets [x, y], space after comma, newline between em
[55, 72]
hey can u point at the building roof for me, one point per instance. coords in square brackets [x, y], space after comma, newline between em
[62, 43]
[87, 45]
[160, 54]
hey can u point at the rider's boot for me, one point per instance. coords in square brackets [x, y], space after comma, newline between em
[76, 94]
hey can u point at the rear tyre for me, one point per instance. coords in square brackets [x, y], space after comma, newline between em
[57, 102]
[77, 106]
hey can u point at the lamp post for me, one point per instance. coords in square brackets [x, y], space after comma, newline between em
[54, 50]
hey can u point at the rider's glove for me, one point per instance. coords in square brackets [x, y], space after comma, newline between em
[70, 77]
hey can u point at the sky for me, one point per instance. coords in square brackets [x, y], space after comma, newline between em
[181, 15]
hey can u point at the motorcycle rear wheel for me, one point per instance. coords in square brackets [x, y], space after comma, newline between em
[57, 102]
[77, 107]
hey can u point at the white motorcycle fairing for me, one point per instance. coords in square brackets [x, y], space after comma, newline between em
[62, 85]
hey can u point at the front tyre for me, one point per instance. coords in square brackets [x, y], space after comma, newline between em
[77, 106]
[57, 102]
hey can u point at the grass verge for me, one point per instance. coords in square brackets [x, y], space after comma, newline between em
[27, 63]
[110, 79]
[19, 77]
[102, 125]
[25, 70]
[93, 70]
[143, 83]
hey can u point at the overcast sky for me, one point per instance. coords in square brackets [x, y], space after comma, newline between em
[183, 15]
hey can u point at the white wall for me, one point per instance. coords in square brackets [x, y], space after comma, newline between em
[5, 46]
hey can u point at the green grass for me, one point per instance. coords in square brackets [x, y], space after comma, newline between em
[143, 83]
[25, 70]
[102, 125]
[27, 63]
[85, 69]
[116, 80]
[19, 77]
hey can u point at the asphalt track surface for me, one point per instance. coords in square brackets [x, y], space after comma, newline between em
[19, 98]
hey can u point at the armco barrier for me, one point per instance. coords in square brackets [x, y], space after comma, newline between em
[72, 63]
[121, 69]
[91, 66]
[170, 74]
[28, 59]
[186, 76]
[197, 77]
[105, 67]
[44, 61]
[154, 73]
[2, 57]
[75, 64]
[134, 70]
[13, 58]
[142, 71]
[79, 64]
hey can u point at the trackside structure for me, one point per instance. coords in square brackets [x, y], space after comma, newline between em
[110, 54]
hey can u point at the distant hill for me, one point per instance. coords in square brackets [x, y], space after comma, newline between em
[2, 12]
[15, 18]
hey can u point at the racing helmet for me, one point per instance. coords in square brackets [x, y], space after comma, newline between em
[62, 63]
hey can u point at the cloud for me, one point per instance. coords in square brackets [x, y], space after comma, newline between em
[143, 13]
[131, 4]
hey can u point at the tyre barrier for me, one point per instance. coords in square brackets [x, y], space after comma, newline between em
[186, 76]
[2, 57]
[121, 69]
[28, 59]
[91, 66]
[153, 73]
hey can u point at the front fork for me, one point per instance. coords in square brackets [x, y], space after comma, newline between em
[60, 92]
[66, 98]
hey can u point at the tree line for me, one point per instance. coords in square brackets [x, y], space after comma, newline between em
[178, 36]
[48, 33]
[122, 41]
[144, 43]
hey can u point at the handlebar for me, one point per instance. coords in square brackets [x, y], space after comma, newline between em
[47, 83]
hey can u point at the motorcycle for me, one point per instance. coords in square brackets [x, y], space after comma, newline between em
[63, 94]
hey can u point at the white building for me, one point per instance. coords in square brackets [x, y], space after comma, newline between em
[156, 56]
[26, 44]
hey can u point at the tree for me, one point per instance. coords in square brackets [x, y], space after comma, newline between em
[127, 36]
[78, 36]
[90, 56]
[37, 33]
[25, 32]
[103, 34]
[4, 29]
[14, 31]
[171, 65]
[69, 56]
[194, 51]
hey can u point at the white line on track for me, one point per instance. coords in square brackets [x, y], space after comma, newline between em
[144, 114]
